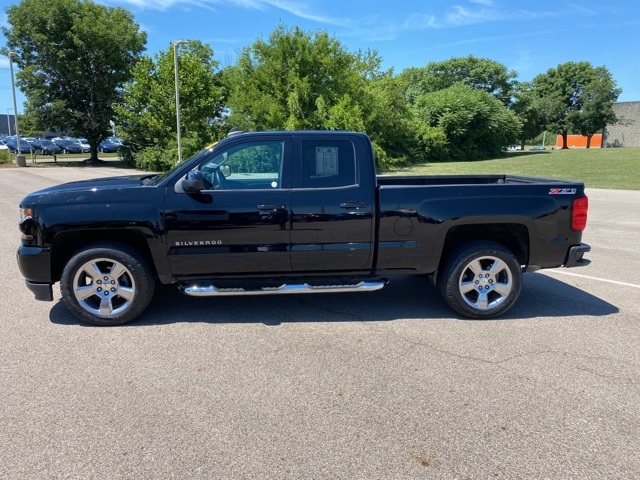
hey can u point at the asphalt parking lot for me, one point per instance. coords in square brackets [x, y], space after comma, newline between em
[385, 385]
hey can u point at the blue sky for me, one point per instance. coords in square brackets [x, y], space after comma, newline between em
[528, 37]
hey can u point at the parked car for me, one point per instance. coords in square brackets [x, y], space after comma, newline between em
[12, 143]
[117, 140]
[69, 146]
[84, 143]
[107, 146]
[513, 148]
[537, 148]
[45, 147]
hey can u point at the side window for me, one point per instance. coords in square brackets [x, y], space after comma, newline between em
[327, 163]
[248, 166]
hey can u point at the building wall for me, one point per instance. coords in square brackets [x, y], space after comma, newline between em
[625, 133]
[7, 122]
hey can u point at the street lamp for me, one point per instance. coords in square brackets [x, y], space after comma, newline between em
[9, 120]
[176, 44]
[15, 106]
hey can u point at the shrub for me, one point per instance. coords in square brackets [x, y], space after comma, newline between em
[5, 156]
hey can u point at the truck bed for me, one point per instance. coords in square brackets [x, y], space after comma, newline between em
[393, 180]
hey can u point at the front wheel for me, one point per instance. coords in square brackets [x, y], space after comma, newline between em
[107, 284]
[481, 280]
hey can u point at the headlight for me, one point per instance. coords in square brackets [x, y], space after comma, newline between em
[26, 223]
[25, 213]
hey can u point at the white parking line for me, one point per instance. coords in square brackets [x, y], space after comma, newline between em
[593, 278]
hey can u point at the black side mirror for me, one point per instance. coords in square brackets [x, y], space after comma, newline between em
[194, 182]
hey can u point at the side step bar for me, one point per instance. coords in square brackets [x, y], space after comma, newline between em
[213, 291]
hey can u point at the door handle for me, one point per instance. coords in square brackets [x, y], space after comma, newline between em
[353, 205]
[270, 206]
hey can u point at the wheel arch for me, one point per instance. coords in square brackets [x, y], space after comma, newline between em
[67, 244]
[513, 236]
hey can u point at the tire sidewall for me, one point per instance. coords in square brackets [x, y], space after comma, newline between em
[449, 282]
[144, 281]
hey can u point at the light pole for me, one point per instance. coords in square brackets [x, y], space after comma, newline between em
[176, 44]
[15, 106]
[9, 121]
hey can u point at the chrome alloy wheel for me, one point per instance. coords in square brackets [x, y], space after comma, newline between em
[485, 283]
[104, 287]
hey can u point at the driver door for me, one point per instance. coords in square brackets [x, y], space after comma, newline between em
[240, 222]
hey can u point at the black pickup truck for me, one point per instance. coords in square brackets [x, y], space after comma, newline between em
[294, 212]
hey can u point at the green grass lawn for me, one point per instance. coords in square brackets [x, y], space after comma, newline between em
[616, 168]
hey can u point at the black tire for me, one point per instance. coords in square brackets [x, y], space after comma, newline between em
[481, 280]
[128, 279]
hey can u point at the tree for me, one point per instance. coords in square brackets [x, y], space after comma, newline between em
[147, 115]
[597, 110]
[478, 73]
[476, 124]
[575, 95]
[296, 80]
[527, 107]
[74, 57]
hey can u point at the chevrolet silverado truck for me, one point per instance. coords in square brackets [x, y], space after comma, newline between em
[294, 212]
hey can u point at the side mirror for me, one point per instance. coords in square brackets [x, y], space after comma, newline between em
[225, 170]
[194, 182]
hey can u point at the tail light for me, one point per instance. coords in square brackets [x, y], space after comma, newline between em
[579, 213]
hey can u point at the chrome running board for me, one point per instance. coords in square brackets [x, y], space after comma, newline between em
[196, 290]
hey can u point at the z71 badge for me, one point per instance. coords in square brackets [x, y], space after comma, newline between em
[563, 191]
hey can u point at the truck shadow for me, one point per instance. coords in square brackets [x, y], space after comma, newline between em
[405, 297]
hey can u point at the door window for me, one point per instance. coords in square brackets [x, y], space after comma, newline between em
[327, 164]
[248, 166]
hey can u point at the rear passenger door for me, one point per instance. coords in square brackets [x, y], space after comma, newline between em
[332, 201]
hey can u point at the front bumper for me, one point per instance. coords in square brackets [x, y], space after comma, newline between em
[42, 291]
[574, 258]
[35, 263]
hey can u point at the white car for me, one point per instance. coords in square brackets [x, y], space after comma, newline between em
[84, 143]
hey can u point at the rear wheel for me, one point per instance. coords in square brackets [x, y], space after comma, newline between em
[107, 284]
[481, 280]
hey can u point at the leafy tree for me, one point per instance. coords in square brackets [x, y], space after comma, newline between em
[296, 80]
[527, 107]
[476, 124]
[597, 110]
[147, 116]
[575, 95]
[74, 56]
[478, 73]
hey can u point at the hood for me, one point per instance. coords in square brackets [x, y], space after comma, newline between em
[106, 184]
